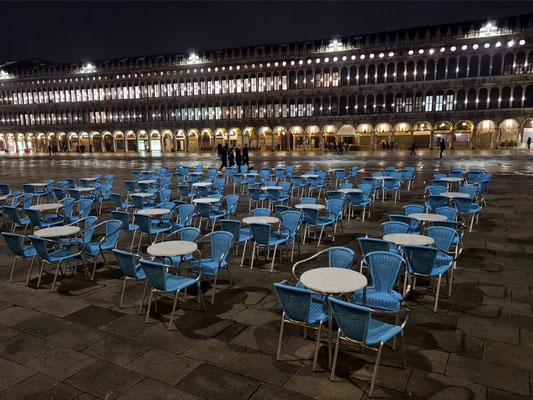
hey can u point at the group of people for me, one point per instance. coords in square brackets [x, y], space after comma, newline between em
[225, 153]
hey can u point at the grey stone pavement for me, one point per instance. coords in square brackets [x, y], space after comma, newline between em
[77, 343]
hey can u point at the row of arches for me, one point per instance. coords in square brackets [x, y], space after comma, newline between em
[401, 102]
[467, 66]
[365, 136]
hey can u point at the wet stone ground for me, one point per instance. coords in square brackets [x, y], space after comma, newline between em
[76, 343]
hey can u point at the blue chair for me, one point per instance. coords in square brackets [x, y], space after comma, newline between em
[255, 197]
[335, 194]
[456, 173]
[219, 186]
[4, 189]
[239, 235]
[448, 212]
[125, 217]
[372, 182]
[206, 213]
[40, 222]
[469, 190]
[445, 238]
[232, 202]
[164, 195]
[243, 169]
[311, 218]
[279, 208]
[307, 200]
[300, 310]
[13, 214]
[132, 272]
[356, 325]
[109, 179]
[436, 190]
[424, 261]
[15, 244]
[264, 238]
[139, 203]
[57, 257]
[370, 245]
[414, 209]
[130, 187]
[275, 196]
[435, 202]
[221, 242]
[164, 283]
[262, 212]
[290, 225]
[59, 193]
[297, 183]
[407, 176]
[185, 215]
[189, 234]
[103, 196]
[316, 183]
[108, 242]
[384, 268]
[355, 200]
[466, 206]
[405, 219]
[183, 191]
[146, 228]
[391, 185]
[119, 204]
[238, 180]
[84, 209]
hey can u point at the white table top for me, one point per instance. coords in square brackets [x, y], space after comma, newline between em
[333, 280]
[84, 189]
[195, 173]
[206, 200]
[408, 239]
[382, 178]
[315, 206]
[260, 220]
[39, 184]
[143, 194]
[451, 179]
[147, 181]
[336, 169]
[272, 187]
[428, 217]
[310, 176]
[455, 194]
[251, 173]
[57, 231]
[47, 207]
[91, 179]
[2, 198]
[350, 190]
[202, 184]
[154, 212]
[172, 248]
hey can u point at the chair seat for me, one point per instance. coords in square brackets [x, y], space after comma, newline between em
[174, 283]
[379, 300]
[61, 255]
[244, 235]
[277, 238]
[381, 332]
[443, 259]
[139, 272]
[155, 231]
[324, 221]
[209, 266]
[214, 215]
[29, 251]
[132, 227]
[47, 224]
[317, 313]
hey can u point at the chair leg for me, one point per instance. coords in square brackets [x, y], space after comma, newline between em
[243, 252]
[273, 259]
[292, 253]
[148, 307]
[317, 346]
[123, 290]
[132, 239]
[29, 271]
[41, 269]
[472, 222]
[280, 336]
[144, 295]
[320, 237]
[55, 278]
[378, 358]
[437, 294]
[450, 272]
[253, 256]
[336, 354]
[214, 289]
[173, 310]
[12, 269]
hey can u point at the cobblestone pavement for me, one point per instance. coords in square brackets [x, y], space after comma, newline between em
[77, 343]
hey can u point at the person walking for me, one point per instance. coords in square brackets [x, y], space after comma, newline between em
[50, 149]
[245, 156]
[238, 157]
[231, 157]
[529, 142]
[442, 146]
[224, 157]
[413, 149]
[219, 149]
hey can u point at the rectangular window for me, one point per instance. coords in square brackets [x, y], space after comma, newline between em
[196, 88]
[217, 86]
[254, 84]
[318, 80]
[327, 79]
[202, 87]
[309, 109]
[239, 85]
[276, 82]
[429, 104]
[284, 82]
[209, 87]
[300, 110]
[231, 85]
[261, 86]
[246, 85]
[408, 104]
[224, 86]
[268, 83]
[439, 99]
[284, 110]
[450, 102]
[269, 110]
[262, 111]
[276, 110]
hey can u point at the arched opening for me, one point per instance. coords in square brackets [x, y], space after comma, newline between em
[2, 142]
[365, 136]
[179, 138]
[402, 136]
[131, 141]
[155, 141]
[107, 139]
[312, 137]
[234, 137]
[422, 134]
[462, 134]
[264, 138]
[328, 136]
[527, 131]
[73, 142]
[192, 140]
[281, 137]
[21, 143]
[168, 145]
[119, 141]
[348, 136]
[486, 130]
[11, 143]
[30, 142]
[40, 145]
[441, 130]
[383, 136]
[96, 140]
[247, 134]
[298, 137]
[62, 138]
[142, 140]
[509, 133]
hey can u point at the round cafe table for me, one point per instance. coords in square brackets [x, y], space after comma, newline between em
[451, 179]
[271, 187]
[402, 239]
[147, 181]
[333, 281]
[314, 206]
[260, 220]
[451, 195]
[47, 207]
[209, 200]
[3, 198]
[143, 195]
[57, 231]
[349, 191]
[201, 184]
[172, 248]
[382, 178]
[38, 184]
[427, 217]
[310, 176]
[154, 212]
[91, 179]
[84, 189]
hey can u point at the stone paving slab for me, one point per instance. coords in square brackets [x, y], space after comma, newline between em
[477, 346]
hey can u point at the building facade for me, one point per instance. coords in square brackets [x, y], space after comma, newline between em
[468, 83]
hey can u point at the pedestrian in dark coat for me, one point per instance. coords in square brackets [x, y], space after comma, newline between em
[442, 146]
[245, 156]
[238, 157]
[231, 157]
[224, 157]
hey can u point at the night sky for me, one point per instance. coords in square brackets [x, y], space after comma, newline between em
[92, 30]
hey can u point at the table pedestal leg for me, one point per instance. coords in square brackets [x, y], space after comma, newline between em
[330, 324]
